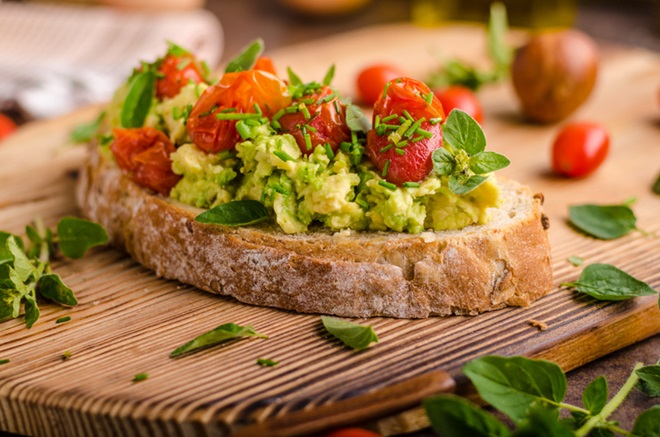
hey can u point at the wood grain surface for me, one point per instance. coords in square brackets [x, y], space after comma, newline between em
[128, 321]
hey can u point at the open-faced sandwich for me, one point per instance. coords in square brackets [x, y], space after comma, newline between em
[281, 193]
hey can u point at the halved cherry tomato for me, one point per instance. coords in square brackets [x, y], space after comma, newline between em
[352, 432]
[462, 98]
[143, 154]
[264, 63]
[7, 126]
[372, 80]
[579, 149]
[238, 93]
[408, 158]
[328, 126]
[176, 72]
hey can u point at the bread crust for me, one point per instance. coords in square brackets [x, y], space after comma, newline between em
[352, 274]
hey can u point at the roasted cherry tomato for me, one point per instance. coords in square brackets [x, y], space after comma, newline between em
[411, 116]
[372, 80]
[579, 149]
[235, 93]
[7, 126]
[175, 72]
[352, 432]
[264, 63]
[462, 98]
[322, 121]
[143, 154]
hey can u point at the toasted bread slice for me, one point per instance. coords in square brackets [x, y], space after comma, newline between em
[352, 274]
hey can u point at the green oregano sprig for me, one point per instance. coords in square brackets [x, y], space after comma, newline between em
[462, 156]
[531, 392]
[26, 275]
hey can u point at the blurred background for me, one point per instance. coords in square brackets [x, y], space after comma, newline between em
[59, 56]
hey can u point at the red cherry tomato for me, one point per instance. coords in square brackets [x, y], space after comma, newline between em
[7, 126]
[143, 154]
[327, 125]
[462, 98]
[579, 149]
[176, 72]
[410, 161]
[236, 92]
[352, 432]
[372, 80]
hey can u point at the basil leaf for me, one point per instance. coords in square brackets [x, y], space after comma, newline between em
[356, 120]
[10, 303]
[649, 380]
[84, 133]
[235, 213]
[294, 79]
[542, 422]
[575, 260]
[443, 162]
[221, 334]
[656, 186]
[329, 75]
[462, 185]
[594, 397]
[77, 235]
[461, 131]
[648, 423]
[605, 222]
[138, 100]
[453, 416]
[31, 311]
[351, 334]
[606, 282]
[51, 287]
[266, 363]
[5, 253]
[247, 58]
[488, 162]
[512, 384]
[22, 265]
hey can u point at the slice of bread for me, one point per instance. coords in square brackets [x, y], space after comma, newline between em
[352, 274]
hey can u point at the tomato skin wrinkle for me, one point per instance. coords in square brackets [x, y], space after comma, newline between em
[328, 125]
[416, 163]
[143, 154]
[579, 149]
[240, 91]
[462, 98]
[372, 79]
[177, 71]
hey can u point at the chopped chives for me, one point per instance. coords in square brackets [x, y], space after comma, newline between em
[387, 86]
[354, 138]
[424, 133]
[376, 121]
[411, 184]
[4, 361]
[225, 154]
[386, 148]
[435, 120]
[308, 101]
[176, 113]
[345, 146]
[291, 109]
[408, 116]
[275, 124]
[329, 97]
[390, 186]
[409, 133]
[305, 112]
[328, 151]
[257, 109]
[278, 114]
[392, 126]
[389, 118]
[400, 151]
[252, 122]
[224, 111]
[362, 203]
[401, 144]
[283, 155]
[183, 64]
[209, 112]
[308, 141]
[263, 362]
[310, 128]
[386, 167]
[417, 138]
[381, 129]
[403, 128]
[243, 130]
[429, 97]
[337, 107]
[140, 377]
[236, 116]
[63, 319]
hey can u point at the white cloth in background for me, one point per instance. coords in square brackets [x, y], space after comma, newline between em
[54, 59]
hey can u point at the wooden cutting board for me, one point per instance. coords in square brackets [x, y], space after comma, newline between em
[128, 321]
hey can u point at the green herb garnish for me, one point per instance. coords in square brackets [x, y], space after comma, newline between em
[327, 79]
[575, 260]
[247, 58]
[221, 334]
[531, 393]
[356, 120]
[63, 319]
[263, 362]
[24, 275]
[84, 133]
[656, 186]
[649, 380]
[66, 355]
[140, 377]
[235, 213]
[606, 222]
[606, 282]
[462, 156]
[4, 361]
[351, 334]
[138, 100]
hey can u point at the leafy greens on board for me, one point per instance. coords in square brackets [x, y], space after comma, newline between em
[606, 282]
[531, 393]
[221, 334]
[353, 335]
[25, 275]
[606, 222]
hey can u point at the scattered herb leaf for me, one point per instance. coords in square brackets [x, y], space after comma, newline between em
[77, 235]
[66, 355]
[606, 282]
[235, 213]
[266, 362]
[247, 58]
[595, 395]
[356, 120]
[605, 222]
[140, 377]
[4, 361]
[351, 334]
[649, 380]
[575, 260]
[63, 319]
[138, 100]
[648, 423]
[51, 287]
[656, 186]
[453, 416]
[221, 334]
